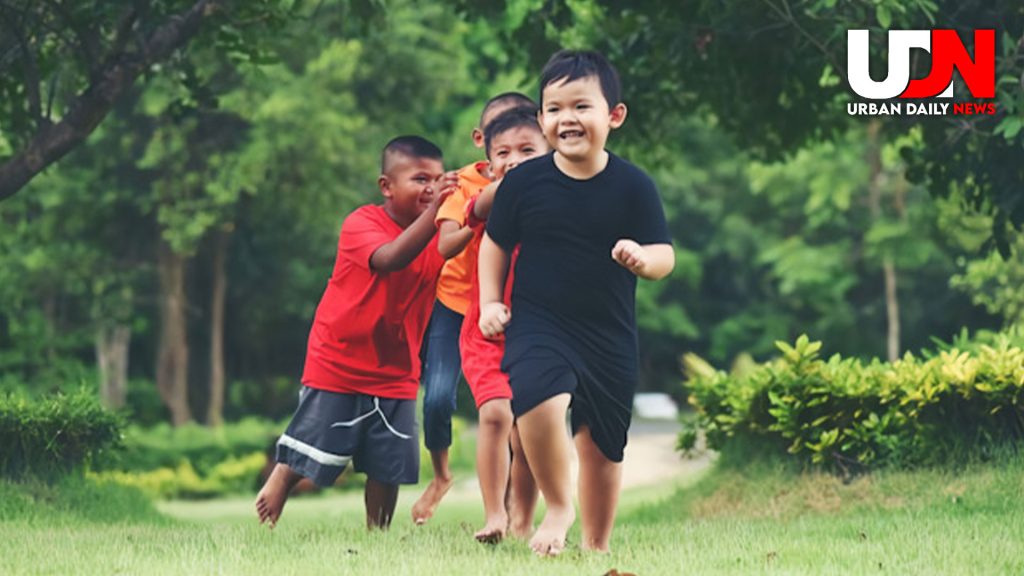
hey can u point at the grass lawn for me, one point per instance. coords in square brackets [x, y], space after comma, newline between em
[761, 519]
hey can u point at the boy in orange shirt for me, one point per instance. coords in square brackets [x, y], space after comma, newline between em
[441, 359]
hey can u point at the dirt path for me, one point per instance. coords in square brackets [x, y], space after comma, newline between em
[651, 459]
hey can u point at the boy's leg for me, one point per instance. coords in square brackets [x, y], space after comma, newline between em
[522, 491]
[380, 499]
[600, 480]
[547, 448]
[492, 463]
[270, 501]
[441, 365]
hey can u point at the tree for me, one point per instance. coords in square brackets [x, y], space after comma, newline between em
[65, 64]
[770, 72]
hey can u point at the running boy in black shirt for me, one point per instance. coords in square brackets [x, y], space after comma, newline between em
[588, 223]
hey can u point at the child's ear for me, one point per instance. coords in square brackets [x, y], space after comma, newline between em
[618, 115]
[478, 137]
[385, 185]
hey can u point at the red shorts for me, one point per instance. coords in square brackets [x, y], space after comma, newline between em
[481, 360]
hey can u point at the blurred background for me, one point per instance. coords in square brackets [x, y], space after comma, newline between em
[174, 176]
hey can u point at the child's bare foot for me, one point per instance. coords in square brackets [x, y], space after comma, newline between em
[493, 531]
[270, 501]
[424, 508]
[549, 539]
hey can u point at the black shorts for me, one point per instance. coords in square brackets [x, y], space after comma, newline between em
[605, 405]
[330, 429]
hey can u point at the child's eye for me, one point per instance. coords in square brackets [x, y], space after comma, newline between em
[551, 109]
[420, 179]
[528, 149]
[582, 106]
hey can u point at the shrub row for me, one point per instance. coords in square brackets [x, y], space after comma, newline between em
[50, 436]
[946, 405]
[232, 476]
[163, 446]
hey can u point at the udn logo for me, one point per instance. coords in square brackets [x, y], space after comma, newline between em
[947, 51]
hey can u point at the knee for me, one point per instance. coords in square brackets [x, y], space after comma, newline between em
[437, 409]
[495, 417]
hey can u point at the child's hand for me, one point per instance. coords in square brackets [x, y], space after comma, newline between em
[446, 186]
[630, 256]
[494, 316]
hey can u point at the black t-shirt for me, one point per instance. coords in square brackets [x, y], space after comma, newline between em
[568, 293]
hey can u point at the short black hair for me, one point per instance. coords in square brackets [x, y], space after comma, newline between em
[518, 117]
[412, 146]
[511, 98]
[569, 65]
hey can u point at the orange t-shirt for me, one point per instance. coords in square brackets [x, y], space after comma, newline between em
[454, 288]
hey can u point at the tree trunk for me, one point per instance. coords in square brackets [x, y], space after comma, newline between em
[112, 344]
[172, 349]
[215, 408]
[892, 303]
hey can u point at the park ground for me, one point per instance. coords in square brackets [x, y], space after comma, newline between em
[677, 516]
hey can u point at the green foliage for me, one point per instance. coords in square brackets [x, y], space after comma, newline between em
[773, 75]
[844, 413]
[997, 283]
[191, 461]
[201, 449]
[53, 435]
[231, 476]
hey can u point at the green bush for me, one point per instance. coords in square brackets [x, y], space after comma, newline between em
[163, 446]
[844, 413]
[232, 476]
[49, 436]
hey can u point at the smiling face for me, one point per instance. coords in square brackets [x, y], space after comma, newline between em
[576, 119]
[515, 146]
[409, 185]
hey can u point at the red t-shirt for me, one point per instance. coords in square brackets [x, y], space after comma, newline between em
[369, 325]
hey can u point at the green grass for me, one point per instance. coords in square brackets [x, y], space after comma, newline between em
[759, 519]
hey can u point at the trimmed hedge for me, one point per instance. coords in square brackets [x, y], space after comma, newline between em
[53, 435]
[842, 412]
[232, 476]
[163, 446]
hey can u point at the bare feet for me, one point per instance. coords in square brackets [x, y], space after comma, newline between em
[549, 539]
[270, 501]
[424, 508]
[493, 531]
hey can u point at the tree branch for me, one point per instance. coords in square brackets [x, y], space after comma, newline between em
[50, 143]
[787, 16]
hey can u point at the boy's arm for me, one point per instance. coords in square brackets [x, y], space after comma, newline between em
[484, 201]
[492, 270]
[452, 238]
[648, 261]
[398, 253]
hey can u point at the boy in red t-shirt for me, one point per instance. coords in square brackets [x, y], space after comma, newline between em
[358, 400]
[511, 138]
[441, 360]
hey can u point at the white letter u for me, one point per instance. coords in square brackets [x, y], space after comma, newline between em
[858, 62]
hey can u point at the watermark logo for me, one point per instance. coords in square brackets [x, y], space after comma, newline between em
[948, 53]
